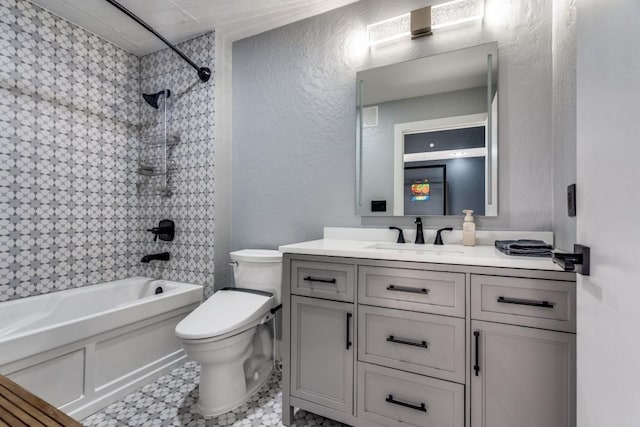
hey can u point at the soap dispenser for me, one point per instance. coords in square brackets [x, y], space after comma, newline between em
[468, 229]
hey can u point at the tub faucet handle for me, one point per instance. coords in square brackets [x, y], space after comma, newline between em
[155, 231]
[165, 230]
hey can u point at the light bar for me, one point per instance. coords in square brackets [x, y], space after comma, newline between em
[456, 12]
[421, 22]
[389, 29]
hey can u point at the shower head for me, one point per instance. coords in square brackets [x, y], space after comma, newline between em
[153, 99]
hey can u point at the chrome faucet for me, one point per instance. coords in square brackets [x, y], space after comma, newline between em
[419, 233]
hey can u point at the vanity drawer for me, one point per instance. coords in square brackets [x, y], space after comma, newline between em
[395, 398]
[422, 343]
[545, 304]
[418, 290]
[323, 280]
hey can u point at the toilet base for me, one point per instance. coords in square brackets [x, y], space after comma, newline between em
[252, 386]
[231, 369]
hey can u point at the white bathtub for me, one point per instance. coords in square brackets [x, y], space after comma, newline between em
[82, 349]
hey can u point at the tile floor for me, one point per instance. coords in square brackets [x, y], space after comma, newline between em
[171, 401]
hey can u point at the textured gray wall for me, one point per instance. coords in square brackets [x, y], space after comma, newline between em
[564, 118]
[294, 118]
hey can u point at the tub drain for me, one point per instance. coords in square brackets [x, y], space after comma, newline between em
[159, 290]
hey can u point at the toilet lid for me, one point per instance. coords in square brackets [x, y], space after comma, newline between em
[224, 312]
[256, 255]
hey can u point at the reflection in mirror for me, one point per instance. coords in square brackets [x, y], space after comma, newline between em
[457, 146]
[427, 135]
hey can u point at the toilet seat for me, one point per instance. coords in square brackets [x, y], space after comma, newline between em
[228, 312]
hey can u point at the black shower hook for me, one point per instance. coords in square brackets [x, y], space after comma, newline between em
[203, 72]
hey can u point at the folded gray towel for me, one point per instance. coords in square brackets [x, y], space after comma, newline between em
[535, 248]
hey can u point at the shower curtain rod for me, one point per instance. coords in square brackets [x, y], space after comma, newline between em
[203, 72]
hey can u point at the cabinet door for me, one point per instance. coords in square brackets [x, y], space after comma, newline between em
[322, 355]
[521, 376]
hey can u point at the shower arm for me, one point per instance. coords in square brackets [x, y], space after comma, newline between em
[203, 72]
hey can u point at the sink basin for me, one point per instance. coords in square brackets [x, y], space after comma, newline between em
[412, 247]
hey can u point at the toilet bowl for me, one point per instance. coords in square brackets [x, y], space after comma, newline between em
[229, 334]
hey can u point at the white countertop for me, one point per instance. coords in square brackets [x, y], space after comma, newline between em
[487, 256]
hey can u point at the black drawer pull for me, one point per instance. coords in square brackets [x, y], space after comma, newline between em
[476, 366]
[421, 408]
[349, 343]
[317, 279]
[545, 304]
[406, 289]
[408, 342]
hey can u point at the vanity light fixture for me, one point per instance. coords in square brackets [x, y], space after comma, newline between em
[421, 22]
[389, 29]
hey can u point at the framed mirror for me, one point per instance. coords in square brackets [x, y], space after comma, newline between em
[427, 135]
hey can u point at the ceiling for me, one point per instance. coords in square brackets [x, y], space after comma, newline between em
[179, 20]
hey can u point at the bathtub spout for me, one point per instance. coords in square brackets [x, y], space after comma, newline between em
[164, 256]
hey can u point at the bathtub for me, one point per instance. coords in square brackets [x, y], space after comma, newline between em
[84, 348]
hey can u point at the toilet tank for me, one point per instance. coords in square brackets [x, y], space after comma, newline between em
[259, 269]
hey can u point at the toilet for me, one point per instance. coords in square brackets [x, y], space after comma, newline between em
[229, 334]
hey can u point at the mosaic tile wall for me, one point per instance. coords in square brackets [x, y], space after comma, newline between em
[68, 118]
[70, 121]
[191, 204]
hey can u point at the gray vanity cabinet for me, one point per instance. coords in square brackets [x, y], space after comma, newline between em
[522, 376]
[392, 343]
[322, 352]
[523, 349]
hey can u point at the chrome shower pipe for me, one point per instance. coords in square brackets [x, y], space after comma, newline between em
[204, 73]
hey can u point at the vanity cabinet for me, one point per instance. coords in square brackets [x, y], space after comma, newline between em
[322, 354]
[524, 352]
[522, 376]
[393, 343]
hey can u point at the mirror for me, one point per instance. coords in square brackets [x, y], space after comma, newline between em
[427, 135]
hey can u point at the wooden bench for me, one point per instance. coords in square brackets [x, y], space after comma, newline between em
[19, 408]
